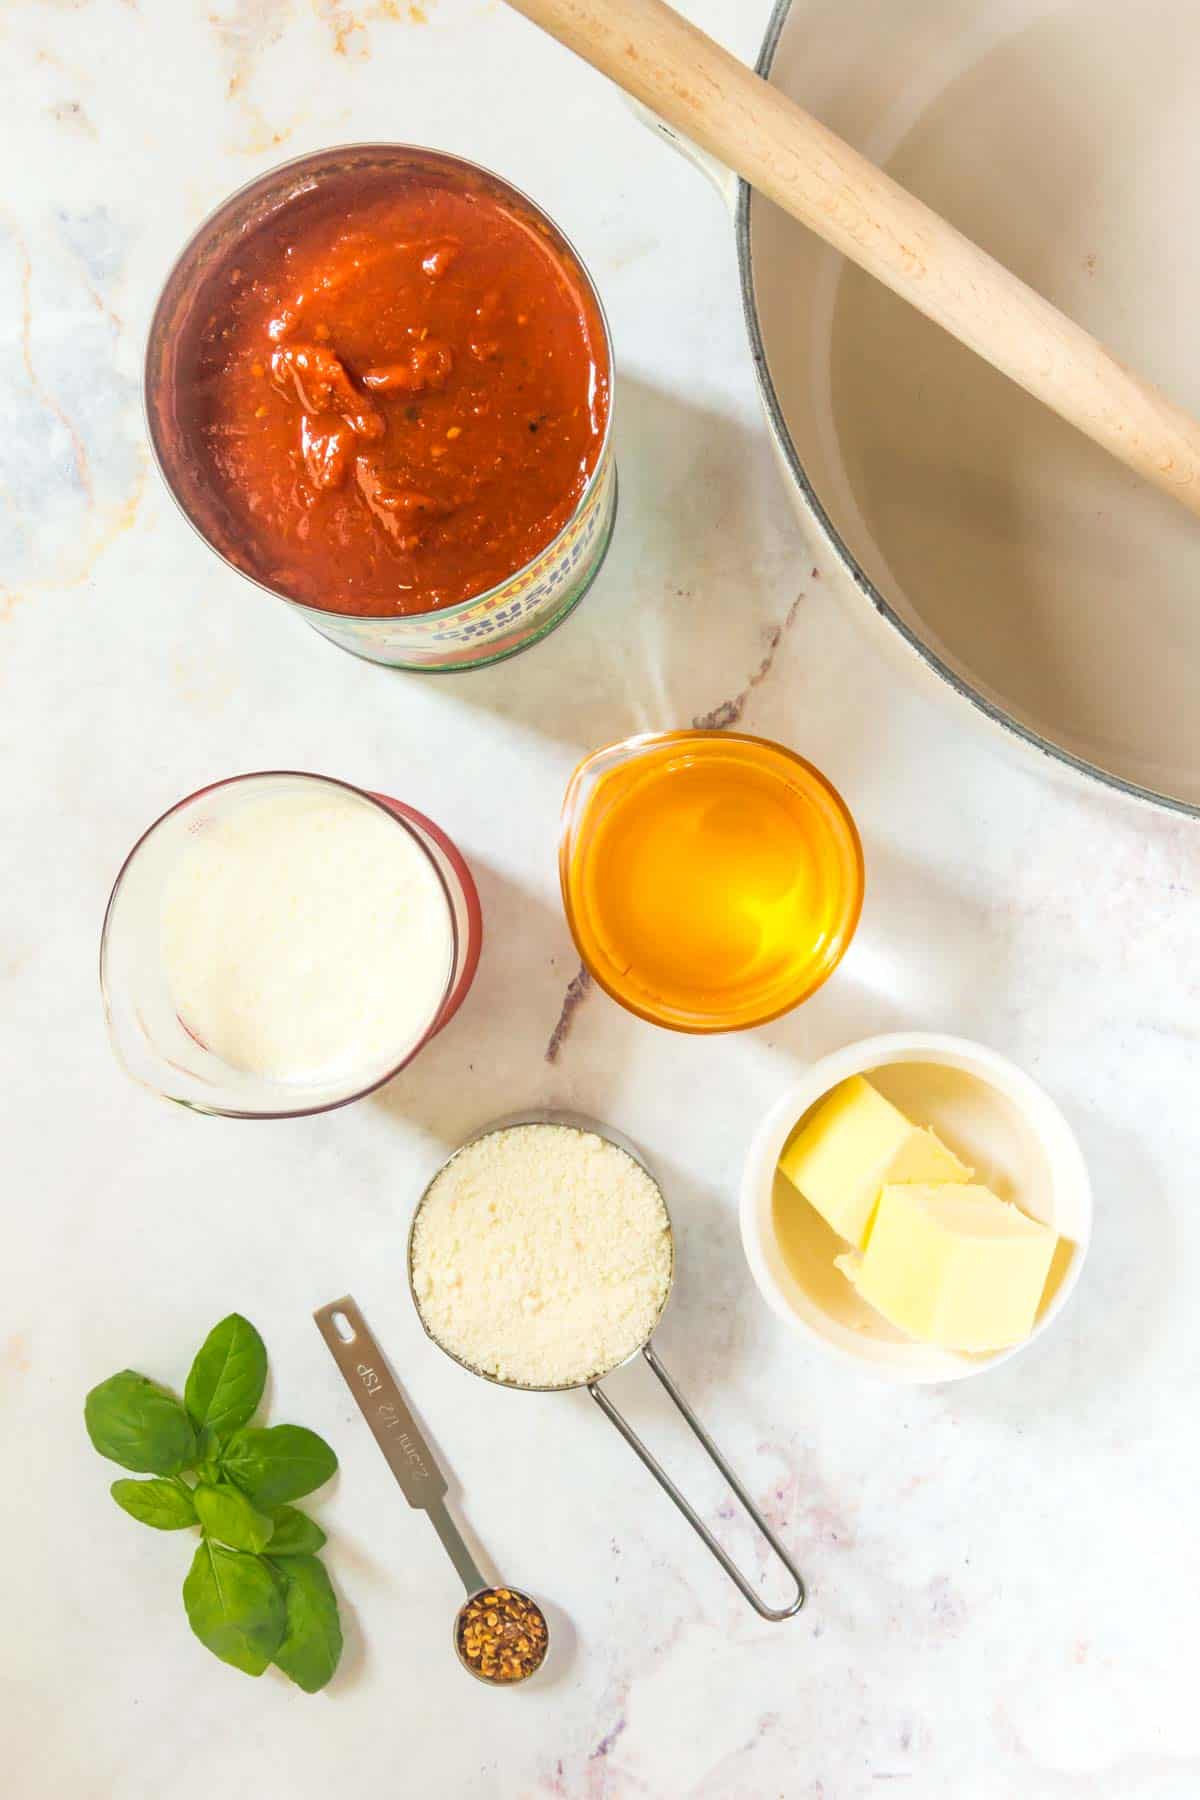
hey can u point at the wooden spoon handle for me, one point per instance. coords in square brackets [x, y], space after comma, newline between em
[681, 74]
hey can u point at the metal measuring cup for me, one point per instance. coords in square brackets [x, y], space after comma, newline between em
[365, 1372]
[574, 1122]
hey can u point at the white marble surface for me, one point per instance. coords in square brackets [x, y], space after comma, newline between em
[1003, 1575]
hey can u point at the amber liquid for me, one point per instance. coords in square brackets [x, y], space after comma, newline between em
[712, 881]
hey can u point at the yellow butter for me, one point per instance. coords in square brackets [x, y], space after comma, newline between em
[852, 1144]
[953, 1266]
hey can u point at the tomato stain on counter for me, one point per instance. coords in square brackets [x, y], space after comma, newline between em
[349, 27]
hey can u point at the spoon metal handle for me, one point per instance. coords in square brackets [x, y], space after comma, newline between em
[365, 1372]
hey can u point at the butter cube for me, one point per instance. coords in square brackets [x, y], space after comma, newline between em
[953, 1266]
[851, 1145]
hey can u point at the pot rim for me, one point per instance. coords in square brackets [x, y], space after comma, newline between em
[1028, 738]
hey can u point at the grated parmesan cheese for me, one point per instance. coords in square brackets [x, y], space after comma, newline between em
[542, 1255]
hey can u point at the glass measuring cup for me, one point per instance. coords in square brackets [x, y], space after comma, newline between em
[148, 1037]
[648, 1352]
[365, 1372]
[711, 880]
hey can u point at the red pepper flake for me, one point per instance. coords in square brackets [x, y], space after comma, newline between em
[502, 1635]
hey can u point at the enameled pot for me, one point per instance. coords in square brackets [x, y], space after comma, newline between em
[997, 556]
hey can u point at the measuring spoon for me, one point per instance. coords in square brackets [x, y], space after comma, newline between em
[408, 1456]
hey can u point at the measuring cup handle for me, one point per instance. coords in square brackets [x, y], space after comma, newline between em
[686, 1508]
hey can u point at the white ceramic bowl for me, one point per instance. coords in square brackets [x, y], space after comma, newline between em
[986, 1109]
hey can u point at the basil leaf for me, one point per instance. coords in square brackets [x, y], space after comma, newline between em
[208, 1455]
[138, 1424]
[312, 1643]
[228, 1376]
[235, 1606]
[277, 1462]
[226, 1513]
[157, 1503]
[295, 1534]
[208, 1445]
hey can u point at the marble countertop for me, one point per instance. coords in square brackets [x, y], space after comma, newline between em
[1002, 1574]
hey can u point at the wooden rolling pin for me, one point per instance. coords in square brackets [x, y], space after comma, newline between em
[690, 81]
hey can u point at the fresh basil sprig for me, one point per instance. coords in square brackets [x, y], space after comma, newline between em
[256, 1593]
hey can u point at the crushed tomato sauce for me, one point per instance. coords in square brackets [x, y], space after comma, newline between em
[395, 393]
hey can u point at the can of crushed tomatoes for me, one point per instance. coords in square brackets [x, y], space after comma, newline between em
[378, 384]
[510, 617]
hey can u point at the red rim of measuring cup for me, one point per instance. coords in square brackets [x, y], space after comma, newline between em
[473, 945]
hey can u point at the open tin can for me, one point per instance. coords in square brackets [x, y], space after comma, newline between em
[485, 627]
